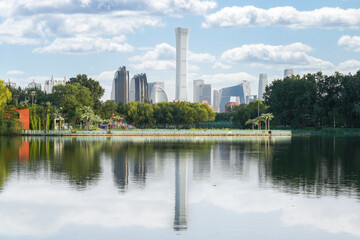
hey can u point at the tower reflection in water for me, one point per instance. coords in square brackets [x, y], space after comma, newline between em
[181, 179]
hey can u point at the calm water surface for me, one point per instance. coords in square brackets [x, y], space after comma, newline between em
[180, 188]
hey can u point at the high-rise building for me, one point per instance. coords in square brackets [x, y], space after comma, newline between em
[50, 84]
[120, 86]
[216, 100]
[288, 72]
[10, 84]
[196, 90]
[263, 81]
[34, 85]
[205, 93]
[202, 92]
[242, 91]
[182, 36]
[139, 89]
[157, 93]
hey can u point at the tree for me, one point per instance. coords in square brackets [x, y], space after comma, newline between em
[94, 86]
[108, 108]
[71, 97]
[87, 115]
[5, 94]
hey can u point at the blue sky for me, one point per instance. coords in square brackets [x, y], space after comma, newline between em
[229, 41]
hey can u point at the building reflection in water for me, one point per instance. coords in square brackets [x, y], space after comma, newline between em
[181, 190]
[121, 169]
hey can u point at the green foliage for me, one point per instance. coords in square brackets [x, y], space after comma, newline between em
[248, 111]
[94, 86]
[5, 94]
[70, 98]
[108, 108]
[9, 127]
[316, 100]
[181, 113]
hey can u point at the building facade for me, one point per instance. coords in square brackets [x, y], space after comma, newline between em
[10, 84]
[139, 89]
[50, 84]
[196, 90]
[242, 91]
[157, 92]
[182, 37]
[263, 82]
[201, 91]
[216, 100]
[120, 86]
[34, 85]
[288, 72]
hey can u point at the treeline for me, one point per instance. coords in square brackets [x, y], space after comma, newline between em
[8, 124]
[315, 100]
[179, 113]
[79, 101]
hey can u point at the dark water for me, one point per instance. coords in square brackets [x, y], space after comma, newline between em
[180, 188]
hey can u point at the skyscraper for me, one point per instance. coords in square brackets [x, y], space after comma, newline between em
[50, 84]
[34, 85]
[263, 81]
[288, 72]
[157, 93]
[202, 92]
[205, 93]
[196, 90]
[216, 102]
[120, 86]
[182, 36]
[242, 91]
[139, 90]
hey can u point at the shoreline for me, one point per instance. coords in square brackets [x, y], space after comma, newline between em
[163, 133]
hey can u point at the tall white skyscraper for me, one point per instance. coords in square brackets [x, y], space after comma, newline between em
[263, 81]
[288, 72]
[182, 37]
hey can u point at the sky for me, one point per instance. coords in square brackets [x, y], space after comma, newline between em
[229, 41]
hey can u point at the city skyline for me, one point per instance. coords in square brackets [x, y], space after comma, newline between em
[225, 45]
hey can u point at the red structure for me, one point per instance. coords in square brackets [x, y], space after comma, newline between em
[229, 106]
[24, 118]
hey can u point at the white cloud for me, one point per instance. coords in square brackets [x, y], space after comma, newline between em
[105, 79]
[220, 65]
[293, 55]
[351, 43]
[15, 72]
[160, 7]
[351, 66]
[162, 57]
[85, 45]
[250, 16]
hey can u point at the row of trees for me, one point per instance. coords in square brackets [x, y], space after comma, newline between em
[8, 124]
[180, 113]
[264, 117]
[315, 100]
[68, 101]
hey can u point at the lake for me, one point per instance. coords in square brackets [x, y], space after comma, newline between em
[179, 188]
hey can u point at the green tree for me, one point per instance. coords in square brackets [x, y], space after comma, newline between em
[87, 115]
[108, 108]
[71, 97]
[95, 89]
[5, 94]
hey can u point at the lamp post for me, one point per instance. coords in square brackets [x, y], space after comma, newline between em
[32, 95]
